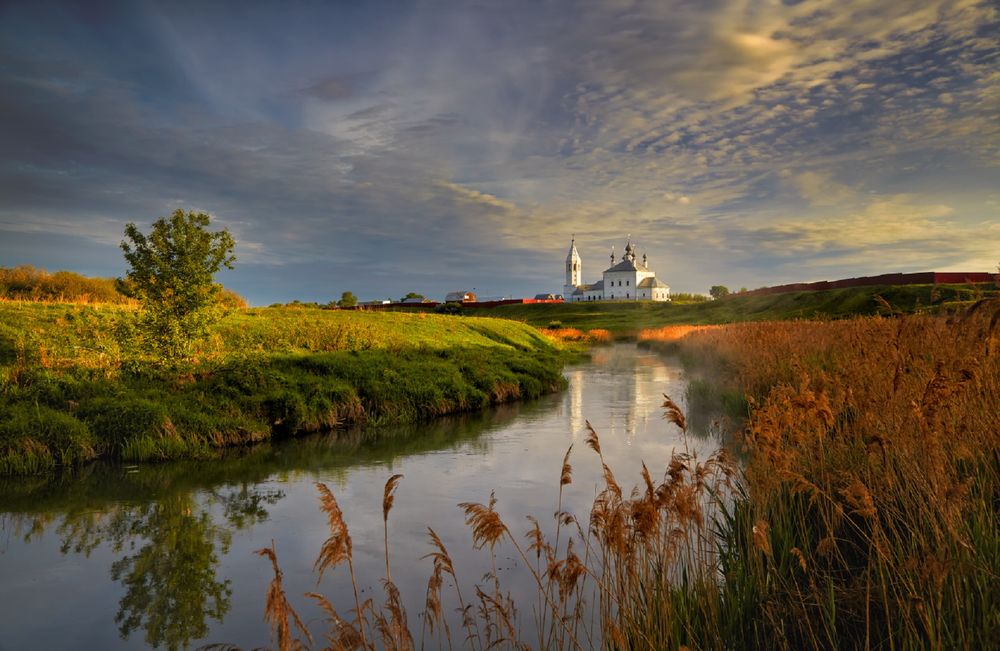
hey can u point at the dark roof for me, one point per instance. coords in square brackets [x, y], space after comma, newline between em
[588, 288]
[627, 265]
[653, 282]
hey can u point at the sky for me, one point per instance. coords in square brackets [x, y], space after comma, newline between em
[434, 146]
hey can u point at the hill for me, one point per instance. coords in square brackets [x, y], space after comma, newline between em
[28, 283]
[625, 319]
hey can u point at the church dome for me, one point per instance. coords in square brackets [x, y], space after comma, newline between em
[629, 251]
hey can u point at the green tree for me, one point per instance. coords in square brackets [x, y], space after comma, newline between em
[718, 291]
[347, 299]
[172, 276]
[412, 295]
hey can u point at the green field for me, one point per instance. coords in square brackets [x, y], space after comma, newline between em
[625, 319]
[74, 386]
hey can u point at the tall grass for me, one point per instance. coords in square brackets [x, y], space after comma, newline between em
[865, 515]
[594, 336]
[872, 481]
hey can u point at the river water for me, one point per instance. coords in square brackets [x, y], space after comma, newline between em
[123, 557]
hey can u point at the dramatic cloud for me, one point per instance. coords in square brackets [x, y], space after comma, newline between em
[385, 147]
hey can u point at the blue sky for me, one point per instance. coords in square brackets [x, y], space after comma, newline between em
[388, 147]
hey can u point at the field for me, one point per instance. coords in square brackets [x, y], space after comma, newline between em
[76, 386]
[863, 513]
[625, 320]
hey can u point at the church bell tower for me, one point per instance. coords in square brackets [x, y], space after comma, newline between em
[574, 270]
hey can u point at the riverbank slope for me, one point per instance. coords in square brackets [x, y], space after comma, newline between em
[73, 386]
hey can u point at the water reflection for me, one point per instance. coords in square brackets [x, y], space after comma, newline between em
[161, 555]
[168, 552]
[167, 526]
[171, 584]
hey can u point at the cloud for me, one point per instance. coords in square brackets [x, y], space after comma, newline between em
[819, 189]
[477, 198]
[730, 137]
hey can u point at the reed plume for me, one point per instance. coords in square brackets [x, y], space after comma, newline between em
[388, 497]
[487, 527]
[278, 611]
[673, 413]
[337, 549]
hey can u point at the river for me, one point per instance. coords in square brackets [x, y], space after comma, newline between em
[124, 557]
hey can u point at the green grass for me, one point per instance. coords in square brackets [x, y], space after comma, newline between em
[73, 387]
[625, 319]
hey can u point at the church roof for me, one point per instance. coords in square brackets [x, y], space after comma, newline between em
[573, 253]
[654, 283]
[589, 288]
[627, 265]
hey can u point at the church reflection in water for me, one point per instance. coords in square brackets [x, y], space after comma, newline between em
[631, 388]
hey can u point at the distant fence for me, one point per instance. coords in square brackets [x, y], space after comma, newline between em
[921, 278]
[430, 305]
[513, 301]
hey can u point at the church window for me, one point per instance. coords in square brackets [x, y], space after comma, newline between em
[626, 295]
[626, 283]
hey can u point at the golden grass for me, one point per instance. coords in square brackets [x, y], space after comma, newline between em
[593, 336]
[874, 468]
[672, 332]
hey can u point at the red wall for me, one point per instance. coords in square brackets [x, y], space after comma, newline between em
[432, 305]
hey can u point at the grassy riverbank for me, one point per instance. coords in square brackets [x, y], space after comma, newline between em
[625, 319]
[73, 387]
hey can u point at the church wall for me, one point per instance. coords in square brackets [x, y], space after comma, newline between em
[620, 286]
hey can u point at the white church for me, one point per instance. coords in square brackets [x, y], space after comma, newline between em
[628, 280]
